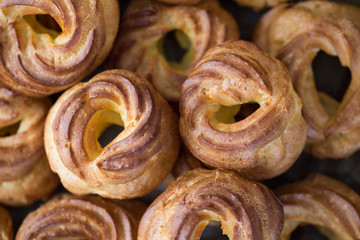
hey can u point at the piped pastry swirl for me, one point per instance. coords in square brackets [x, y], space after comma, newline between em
[39, 61]
[136, 161]
[330, 205]
[247, 210]
[25, 175]
[89, 217]
[333, 126]
[263, 144]
[140, 44]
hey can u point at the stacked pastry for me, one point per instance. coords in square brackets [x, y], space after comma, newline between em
[240, 119]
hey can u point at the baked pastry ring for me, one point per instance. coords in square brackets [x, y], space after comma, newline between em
[6, 231]
[25, 175]
[89, 217]
[136, 161]
[264, 144]
[258, 5]
[333, 127]
[246, 209]
[38, 61]
[140, 44]
[324, 202]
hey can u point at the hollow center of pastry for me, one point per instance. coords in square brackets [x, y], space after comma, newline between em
[331, 79]
[311, 232]
[213, 231]
[10, 129]
[103, 127]
[43, 24]
[177, 49]
[235, 113]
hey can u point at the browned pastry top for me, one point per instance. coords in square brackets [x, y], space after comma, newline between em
[89, 217]
[259, 4]
[6, 231]
[295, 34]
[262, 145]
[140, 43]
[22, 122]
[247, 210]
[149, 141]
[324, 202]
[38, 61]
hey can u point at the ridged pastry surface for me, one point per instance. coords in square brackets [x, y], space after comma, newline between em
[6, 231]
[330, 205]
[246, 209]
[132, 164]
[89, 217]
[263, 144]
[140, 44]
[38, 61]
[25, 175]
[295, 34]
[258, 5]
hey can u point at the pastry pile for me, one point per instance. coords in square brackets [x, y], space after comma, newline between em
[210, 125]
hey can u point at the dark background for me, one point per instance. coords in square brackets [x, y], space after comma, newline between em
[330, 77]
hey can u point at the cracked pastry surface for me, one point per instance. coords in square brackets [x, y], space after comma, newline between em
[131, 165]
[262, 145]
[295, 34]
[246, 209]
[38, 61]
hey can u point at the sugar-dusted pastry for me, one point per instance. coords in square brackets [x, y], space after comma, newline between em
[330, 205]
[131, 165]
[233, 75]
[88, 217]
[259, 4]
[6, 231]
[140, 44]
[246, 209]
[36, 60]
[295, 34]
[25, 175]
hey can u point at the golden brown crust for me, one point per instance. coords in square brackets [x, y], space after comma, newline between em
[136, 161]
[258, 5]
[89, 217]
[6, 231]
[295, 35]
[25, 175]
[264, 144]
[324, 202]
[38, 62]
[246, 209]
[139, 46]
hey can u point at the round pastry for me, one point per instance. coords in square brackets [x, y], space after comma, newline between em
[89, 217]
[25, 175]
[38, 61]
[6, 231]
[258, 5]
[319, 200]
[143, 30]
[333, 127]
[229, 77]
[247, 210]
[136, 161]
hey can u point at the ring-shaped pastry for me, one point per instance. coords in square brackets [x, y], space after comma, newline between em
[6, 231]
[140, 43]
[38, 61]
[25, 175]
[131, 165]
[263, 144]
[89, 217]
[330, 205]
[333, 127]
[247, 210]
